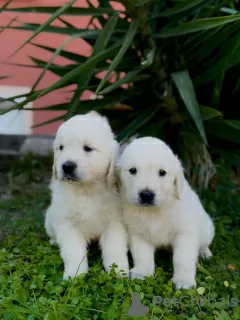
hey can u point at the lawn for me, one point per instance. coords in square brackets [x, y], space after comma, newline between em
[31, 270]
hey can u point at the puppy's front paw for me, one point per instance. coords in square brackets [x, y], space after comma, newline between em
[74, 272]
[183, 282]
[137, 273]
[206, 253]
[69, 275]
[122, 272]
[52, 242]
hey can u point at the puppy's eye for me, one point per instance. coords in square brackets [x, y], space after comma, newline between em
[87, 148]
[133, 171]
[61, 147]
[162, 173]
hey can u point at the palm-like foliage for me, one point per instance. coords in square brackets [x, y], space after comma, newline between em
[178, 60]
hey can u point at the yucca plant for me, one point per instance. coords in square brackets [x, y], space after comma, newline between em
[171, 71]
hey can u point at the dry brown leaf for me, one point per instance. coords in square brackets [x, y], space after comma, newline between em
[232, 267]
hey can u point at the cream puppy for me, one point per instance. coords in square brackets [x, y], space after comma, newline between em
[85, 205]
[161, 209]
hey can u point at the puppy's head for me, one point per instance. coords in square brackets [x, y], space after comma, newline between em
[150, 174]
[85, 150]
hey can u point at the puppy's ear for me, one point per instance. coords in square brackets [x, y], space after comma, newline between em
[54, 168]
[118, 169]
[179, 182]
[111, 174]
[94, 114]
[97, 115]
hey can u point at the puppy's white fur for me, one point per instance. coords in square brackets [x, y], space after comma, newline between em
[87, 208]
[176, 219]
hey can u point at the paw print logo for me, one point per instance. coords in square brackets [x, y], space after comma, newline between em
[137, 309]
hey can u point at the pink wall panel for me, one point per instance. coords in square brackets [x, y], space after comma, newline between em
[11, 40]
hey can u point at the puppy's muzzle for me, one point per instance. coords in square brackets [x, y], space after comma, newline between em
[68, 169]
[146, 197]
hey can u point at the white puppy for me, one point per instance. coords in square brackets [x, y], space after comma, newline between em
[161, 209]
[85, 205]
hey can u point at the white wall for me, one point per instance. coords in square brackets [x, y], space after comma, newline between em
[15, 122]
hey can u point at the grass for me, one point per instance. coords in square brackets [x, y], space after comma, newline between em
[31, 270]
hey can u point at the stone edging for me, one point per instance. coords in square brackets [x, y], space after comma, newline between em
[39, 145]
[15, 145]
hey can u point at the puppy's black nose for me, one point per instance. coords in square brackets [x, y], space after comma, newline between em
[146, 197]
[68, 167]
